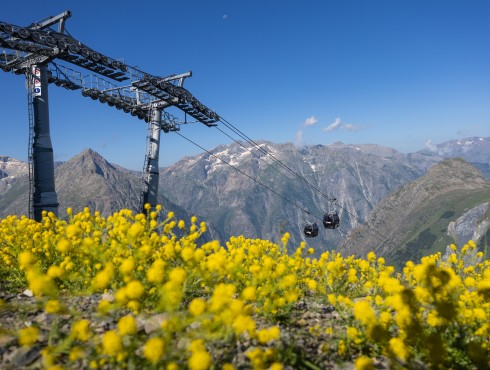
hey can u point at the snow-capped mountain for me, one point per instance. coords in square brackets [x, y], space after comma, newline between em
[11, 170]
[473, 149]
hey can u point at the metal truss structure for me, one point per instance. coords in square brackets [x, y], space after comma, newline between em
[46, 56]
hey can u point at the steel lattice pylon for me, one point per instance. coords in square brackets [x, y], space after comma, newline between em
[57, 58]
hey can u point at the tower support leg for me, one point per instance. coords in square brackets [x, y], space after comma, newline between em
[44, 197]
[151, 170]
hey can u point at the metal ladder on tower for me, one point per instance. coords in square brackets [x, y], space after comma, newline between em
[30, 113]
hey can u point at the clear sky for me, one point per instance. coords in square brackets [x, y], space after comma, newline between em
[399, 73]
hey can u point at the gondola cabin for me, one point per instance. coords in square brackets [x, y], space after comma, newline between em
[331, 220]
[311, 230]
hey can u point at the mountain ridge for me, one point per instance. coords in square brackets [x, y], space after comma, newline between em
[301, 178]
[406, 220]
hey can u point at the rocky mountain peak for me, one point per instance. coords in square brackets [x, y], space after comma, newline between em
[453, 172]
[90, 162]
[453, 166]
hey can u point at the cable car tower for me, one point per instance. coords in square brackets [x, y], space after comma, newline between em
[46, 56]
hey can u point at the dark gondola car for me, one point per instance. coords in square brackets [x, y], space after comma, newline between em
[311, 230]
[331, 220]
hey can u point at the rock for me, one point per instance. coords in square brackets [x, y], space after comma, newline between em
[26, 293]
[25, 356]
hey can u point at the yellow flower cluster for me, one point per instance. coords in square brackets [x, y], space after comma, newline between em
[423, 311]
[167, 293]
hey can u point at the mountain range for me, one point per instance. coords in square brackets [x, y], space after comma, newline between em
[264, 190]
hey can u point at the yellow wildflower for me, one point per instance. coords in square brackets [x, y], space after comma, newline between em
[134, 306]
[127, 325]
[243, 323]
[76, 353]
[80, 330]
[155, 273]
[104, 306]
[28, 336]
[136, 230]
[111, 343]
[26, 259]
[483, 287]
[154, 349]
[288, 281]
[52, 306]
[312, 285]
[276, 366]
[172, 366]
[103, 278]
[353, 334]
[127, 266]
[177, 275]
[364, 363]
[197, 306]
[55, 272]
[397, 346]
[197, 345]
[248, 293]
[63, 246]
[200, 360]
[364, 313]
[341, 348]
[41, 285]
[135, 289]
[371, 256]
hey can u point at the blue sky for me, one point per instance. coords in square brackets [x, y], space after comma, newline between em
[398, 73]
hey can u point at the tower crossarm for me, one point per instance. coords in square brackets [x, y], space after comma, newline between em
[65, 47]
[164, 89]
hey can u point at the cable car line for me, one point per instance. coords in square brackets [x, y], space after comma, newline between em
[310, 229]
[250, 177]
[330, 219]
[258, 147]
[271, 164]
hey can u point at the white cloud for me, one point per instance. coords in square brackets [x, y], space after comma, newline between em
[339, 125]
[351, 127]
[333, 126]
[430, 146]
[311, 121]
[299, 138]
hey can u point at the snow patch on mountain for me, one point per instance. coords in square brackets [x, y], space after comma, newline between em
[10, 170]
